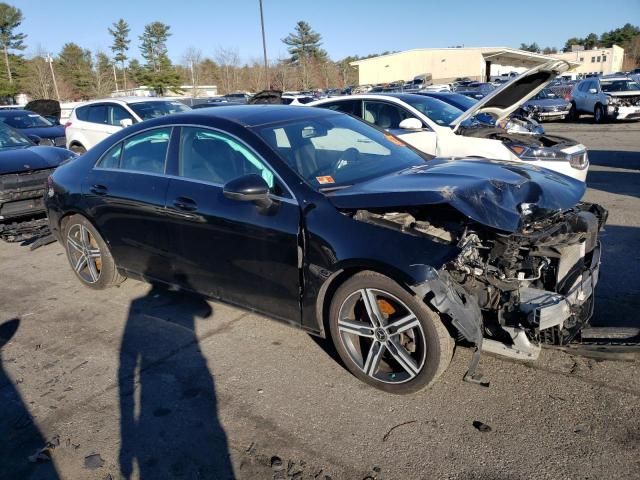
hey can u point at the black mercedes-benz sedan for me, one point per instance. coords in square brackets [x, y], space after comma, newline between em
[322, 221]
[24, 169]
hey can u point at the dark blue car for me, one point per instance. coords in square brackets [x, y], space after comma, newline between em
[40, 130]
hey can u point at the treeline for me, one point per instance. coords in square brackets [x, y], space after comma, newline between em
[77, 73]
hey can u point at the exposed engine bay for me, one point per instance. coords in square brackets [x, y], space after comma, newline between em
[625, 100]
[533, 286]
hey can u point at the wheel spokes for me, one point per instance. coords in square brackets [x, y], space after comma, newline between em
[403, 357]
[403, 324]
[371, 304]
[355, 328]
[74, 243]
[373, 358]
[80, 263]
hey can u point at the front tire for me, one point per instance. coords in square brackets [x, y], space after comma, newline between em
[573, 114]
[387, 337]
[89, 255]
[599, 115]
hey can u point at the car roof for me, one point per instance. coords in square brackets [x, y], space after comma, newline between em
[13, 111]
[255, 115]
[128, 100]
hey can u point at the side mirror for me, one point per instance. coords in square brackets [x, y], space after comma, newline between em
[410, 124]
[34, 138]
[248, 188]
[126, 122]
[593, 91]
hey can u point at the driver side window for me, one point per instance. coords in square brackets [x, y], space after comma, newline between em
[213, 157]
[384, 115]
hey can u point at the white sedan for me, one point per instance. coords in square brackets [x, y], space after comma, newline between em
[442, 130]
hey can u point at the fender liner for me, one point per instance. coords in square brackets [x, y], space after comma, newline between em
[450, 299]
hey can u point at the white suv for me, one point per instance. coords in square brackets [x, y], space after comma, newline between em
[93, 121]
[606, 98]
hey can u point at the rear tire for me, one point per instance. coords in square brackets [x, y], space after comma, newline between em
[408, 349]
[89, 255]
[79, 149]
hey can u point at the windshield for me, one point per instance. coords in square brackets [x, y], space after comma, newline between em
[545, 95]
[460, 101]
[622, 85]
[25, 120]
[436, 110]
[10, 138]
[338, 150]
[147, 110]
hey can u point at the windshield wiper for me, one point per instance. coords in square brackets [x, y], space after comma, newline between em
[333, 189]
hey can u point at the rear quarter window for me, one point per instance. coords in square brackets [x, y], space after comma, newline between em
[82, 113]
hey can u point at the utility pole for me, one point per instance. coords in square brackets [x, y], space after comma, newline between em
[115, 77]
[193, 79]
[264, 49]
[53, 75]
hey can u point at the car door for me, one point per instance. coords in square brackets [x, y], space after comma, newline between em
[231, 249]
[125, 195]
[388, 116]
[590, 99]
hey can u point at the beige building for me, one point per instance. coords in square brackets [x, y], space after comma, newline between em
[600, 60]
[446, 64]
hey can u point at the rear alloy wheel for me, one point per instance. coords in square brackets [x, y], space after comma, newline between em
[387, 337]
[598, 114]
[89, 255]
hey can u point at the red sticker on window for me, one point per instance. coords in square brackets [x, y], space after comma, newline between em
[325, 179]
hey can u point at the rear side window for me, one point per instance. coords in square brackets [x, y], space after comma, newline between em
[146, 152]
[352, 107]
[82, 112]
[97, 114]
[111, 159]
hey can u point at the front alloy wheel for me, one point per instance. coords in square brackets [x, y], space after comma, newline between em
[387, 337]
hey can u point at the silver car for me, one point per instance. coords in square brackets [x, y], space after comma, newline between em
[606, 98]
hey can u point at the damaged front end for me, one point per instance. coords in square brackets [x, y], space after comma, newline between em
[509, 292]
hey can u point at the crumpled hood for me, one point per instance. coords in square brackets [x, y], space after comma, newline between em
[489, 192]
[13, 160]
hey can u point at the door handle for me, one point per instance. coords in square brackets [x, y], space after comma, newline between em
[185, 204]
[98, 189]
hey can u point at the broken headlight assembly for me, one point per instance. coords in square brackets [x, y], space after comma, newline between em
[577, 159]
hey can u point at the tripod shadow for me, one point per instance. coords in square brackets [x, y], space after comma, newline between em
[169, 424]
[19, 435]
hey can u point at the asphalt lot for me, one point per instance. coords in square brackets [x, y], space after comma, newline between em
[155, 384]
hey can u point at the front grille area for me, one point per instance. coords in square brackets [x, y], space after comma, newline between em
[24, 181]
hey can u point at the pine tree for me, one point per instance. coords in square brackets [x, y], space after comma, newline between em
[158, 72]
[304, 47]
[120, 46]
[76, 68]
[10, 19]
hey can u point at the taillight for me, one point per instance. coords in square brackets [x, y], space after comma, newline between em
[67, 125]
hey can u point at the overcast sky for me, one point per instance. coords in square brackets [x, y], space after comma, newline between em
[347, 26]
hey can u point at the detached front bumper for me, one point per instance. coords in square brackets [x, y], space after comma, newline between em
[623, 113]
[542, 116]
[15, 204]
